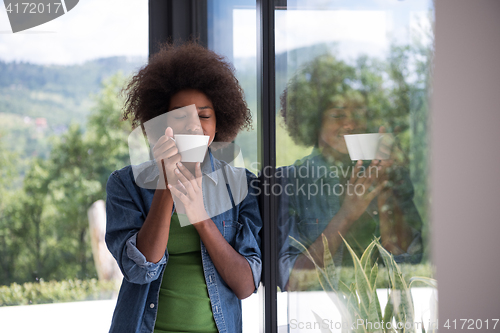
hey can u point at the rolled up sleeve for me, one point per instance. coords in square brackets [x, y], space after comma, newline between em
[248, 240]
[124, 219]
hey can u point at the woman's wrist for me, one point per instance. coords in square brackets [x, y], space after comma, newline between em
[346, 217]
[203, 225]
[200, 220]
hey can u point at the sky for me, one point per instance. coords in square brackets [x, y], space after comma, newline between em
[355, 30]
[96, 28]
[300, 28]
[93, 29]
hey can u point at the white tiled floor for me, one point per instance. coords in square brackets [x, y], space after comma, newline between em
[88, 317]
[95, 316]
[75, 317]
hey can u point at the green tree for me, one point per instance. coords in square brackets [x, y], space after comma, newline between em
[9, 248]
[72, 190]
[107, 133]
[44, 226]
[32, 229]
[81, 165]
[11, 245]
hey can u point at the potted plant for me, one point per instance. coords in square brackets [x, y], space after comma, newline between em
[358, 302]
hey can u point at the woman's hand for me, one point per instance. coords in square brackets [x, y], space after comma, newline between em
[395, 233]
[357, 193]
[391, 158]
[189, 191]
[231, 265]
[167, 156]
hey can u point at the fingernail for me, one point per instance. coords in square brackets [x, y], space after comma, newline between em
[176, 170]
[179, 164]
[169, 186]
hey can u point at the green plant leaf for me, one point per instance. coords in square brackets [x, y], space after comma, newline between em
[350, 296]
[362, 283]
[352, 301]
[322, 276]
[389, 310]
[401, 295]
[366, 257]
[429, 281]
[377, 303]
[373, 276]
[342, 307]
[328, 263]
[344, 288]
[374, 311]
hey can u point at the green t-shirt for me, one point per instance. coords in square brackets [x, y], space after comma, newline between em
[184, 304]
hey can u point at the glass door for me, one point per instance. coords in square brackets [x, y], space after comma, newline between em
[348, 159]
[352, 88]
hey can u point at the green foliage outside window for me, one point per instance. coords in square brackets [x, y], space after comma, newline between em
[56, 292]
[44, 226]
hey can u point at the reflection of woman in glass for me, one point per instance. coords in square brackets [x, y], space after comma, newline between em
[191, 278]
[327, 193]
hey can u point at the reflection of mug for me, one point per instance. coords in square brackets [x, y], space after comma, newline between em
[369, 146]
[191, 147]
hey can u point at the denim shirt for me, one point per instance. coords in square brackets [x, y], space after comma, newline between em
[127, 207]
[312, 196]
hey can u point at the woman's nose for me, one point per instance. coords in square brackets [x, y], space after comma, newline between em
[193, 126]
[349, 124]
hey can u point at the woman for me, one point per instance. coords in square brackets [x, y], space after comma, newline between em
[327, 193]
[191, 278]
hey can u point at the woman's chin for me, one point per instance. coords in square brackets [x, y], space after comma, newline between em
[342, 150]
[340, 147]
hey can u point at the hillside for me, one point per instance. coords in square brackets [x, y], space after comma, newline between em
[38, 101]
[60, 94]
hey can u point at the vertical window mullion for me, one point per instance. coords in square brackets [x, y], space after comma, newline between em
[160, 24]
[177, 21]
[267, 157]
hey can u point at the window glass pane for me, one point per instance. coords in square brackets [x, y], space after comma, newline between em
[232, 33]
[352, 86]
[60, 138]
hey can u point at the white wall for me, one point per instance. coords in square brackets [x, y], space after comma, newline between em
[466, 159]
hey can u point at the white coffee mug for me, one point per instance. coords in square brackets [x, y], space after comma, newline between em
[368, 146]
[191, 147]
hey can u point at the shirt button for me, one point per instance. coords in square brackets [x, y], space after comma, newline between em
[152, 305]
